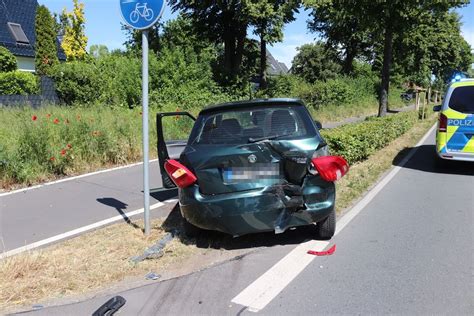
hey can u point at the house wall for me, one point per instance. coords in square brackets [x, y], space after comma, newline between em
[25, 63]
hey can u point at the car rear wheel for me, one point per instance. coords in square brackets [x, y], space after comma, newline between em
[326, 228]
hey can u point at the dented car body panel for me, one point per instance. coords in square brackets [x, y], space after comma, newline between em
[251, 160]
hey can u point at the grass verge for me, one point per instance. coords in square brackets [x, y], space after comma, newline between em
[100, 259]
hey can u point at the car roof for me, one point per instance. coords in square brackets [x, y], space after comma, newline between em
[251, 103]
[465, 82]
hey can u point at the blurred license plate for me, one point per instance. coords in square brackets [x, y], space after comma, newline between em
[252, 173]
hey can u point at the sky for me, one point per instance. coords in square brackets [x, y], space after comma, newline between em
[103, 26]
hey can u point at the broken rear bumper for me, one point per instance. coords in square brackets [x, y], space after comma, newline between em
[241, 213]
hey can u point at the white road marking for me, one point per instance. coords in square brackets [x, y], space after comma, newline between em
[73, 178]
[75, 232]
[263, 290]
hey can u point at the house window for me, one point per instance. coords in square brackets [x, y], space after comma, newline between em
[18, 33]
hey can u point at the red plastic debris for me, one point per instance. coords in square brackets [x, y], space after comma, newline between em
[329, 252]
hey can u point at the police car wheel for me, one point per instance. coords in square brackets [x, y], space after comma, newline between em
[327, 227]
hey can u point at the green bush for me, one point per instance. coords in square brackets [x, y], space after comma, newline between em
[18, 82]
[7, 60]
[121, 80]
[356, 142]
[177, 80]
[78, 82]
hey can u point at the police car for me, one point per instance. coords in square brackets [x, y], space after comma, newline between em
[455, 135]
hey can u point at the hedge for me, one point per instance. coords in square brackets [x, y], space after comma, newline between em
[7, 60]
[356, 142]
[17, 82]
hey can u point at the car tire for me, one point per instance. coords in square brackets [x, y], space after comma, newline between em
[190, 230]
[326, 228]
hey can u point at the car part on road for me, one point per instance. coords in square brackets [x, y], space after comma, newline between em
[110, 307]
[329, 252]
[155, 251]
[152, 276]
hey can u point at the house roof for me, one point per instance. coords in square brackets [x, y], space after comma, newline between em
[23, 13]
[275, 67]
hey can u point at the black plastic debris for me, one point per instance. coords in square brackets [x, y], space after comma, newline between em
[110, 307]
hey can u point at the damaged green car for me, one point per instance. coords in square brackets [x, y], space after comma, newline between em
[252, 166]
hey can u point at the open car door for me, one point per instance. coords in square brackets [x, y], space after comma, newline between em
[173, 130]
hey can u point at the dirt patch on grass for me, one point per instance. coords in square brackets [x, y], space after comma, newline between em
[95, 262]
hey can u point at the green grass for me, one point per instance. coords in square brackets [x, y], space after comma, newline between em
[37, 145]
[362, 107]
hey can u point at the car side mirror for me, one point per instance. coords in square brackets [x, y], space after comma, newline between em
[437, 108]
[318, 124]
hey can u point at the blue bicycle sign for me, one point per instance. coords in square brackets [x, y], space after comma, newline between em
[141, 14]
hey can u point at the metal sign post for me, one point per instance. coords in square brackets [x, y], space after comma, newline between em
[142, 15]
[146, 142]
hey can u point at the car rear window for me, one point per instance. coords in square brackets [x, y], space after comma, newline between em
[462, 100]
[247, 125]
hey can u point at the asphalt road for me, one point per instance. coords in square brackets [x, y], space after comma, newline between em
[37, 214]
[410, 251]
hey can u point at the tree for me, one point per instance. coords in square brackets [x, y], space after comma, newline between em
[75, 41]
[436, 47]
[98, 51]
[7, 60]
[220, 22]
[341, 30]
[134, 38]
[46, 49]
[315, 62]
[268, 18]
[387, 20]
[62, 22]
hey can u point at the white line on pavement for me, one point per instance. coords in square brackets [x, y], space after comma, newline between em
[74, 178]
[263, 290]
[75, 232]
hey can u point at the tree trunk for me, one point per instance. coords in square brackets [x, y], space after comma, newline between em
[387, 61]
[229, 50]
[263, 62]
[239, 51]
[348, 66]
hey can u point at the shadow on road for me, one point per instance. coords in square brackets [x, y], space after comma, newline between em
[162, 194]
[426, 160]
[120, 207]
[217, 240]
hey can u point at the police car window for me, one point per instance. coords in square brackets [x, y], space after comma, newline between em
[462, 100]
[237, 127]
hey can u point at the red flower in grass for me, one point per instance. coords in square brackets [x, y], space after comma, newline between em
[52, 159]
[63, 152]
[69, 146]
[34, 117]
[56, 121]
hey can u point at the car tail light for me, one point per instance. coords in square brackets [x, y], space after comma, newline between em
[443, 123]
[331, 168]
[179, 174]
